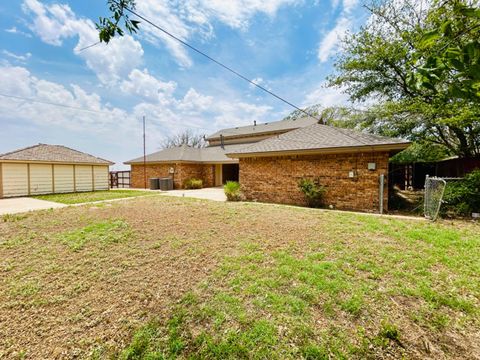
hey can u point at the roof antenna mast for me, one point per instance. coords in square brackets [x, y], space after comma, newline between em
[144, 157]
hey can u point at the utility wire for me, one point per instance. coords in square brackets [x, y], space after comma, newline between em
[54, 104]
[89, 46]
[217, 62]
[225, 66]
[74, 107]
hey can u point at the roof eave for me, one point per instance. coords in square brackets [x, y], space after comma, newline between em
[202, 162]
[250, 134]
[22, 161]
[331, 150]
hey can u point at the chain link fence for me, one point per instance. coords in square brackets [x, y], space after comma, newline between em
[434, 190]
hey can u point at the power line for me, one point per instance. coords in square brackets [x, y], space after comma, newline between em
[79, 108]
[53, 104]
[224, 66]
[217, 62]
[89, 46]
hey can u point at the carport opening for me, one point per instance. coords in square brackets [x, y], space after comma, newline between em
[230, 172]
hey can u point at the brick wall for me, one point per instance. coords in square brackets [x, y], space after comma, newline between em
[208, 175]
[275, 179]
[199, 171]
[182, 172]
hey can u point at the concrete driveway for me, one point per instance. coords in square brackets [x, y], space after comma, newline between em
[24, 204]
[215, 194]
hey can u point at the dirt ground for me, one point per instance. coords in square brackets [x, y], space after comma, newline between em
[60, 301]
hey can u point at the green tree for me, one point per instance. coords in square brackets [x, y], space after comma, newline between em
[402, 61]
[109, 27]
[449, 60]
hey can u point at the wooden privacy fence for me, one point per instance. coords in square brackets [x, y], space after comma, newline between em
[120, 179]
[413, 175]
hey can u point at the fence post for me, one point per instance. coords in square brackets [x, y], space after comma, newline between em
[380, 194]
[426, 204]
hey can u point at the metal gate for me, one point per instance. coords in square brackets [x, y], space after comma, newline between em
[434, 189]
[120, 179]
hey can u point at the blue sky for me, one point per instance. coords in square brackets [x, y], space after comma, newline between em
[288, 46]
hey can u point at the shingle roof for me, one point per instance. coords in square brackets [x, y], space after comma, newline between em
[53, 153]
[319, 137]
[209, 154]
[283, 125]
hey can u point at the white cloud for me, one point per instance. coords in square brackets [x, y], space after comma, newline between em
[331, 41]
[53, 23]
[195, 102]
[18, 57]
[189, 18]
[185, 19]
[143, 84]
[199, 111]
[237, 13]
[258, 81]
[166, 114]
[14, 30]
[334, 3]
[326, 96]
[114, 61]
[349, 5]
[167, 16]
[15, 80]
[240, 113]
[18, 81]
[56, 22]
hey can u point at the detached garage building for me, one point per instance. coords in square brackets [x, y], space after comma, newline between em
[47, 169]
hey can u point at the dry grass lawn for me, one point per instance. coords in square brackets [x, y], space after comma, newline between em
[163, 277]
[91, 196]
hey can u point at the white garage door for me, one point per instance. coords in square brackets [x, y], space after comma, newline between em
[47, 178]
[41, 179]
[63, 178]
[101, 177]
[83, 178]
[15, 179]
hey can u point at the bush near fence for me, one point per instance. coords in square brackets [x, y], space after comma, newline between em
[462, 197]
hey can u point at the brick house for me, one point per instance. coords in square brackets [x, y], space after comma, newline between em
[269, 159]
[348, 163]
[211, 164]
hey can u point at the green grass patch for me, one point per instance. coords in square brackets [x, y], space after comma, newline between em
[288, 303]
[13, 217]
[24, 289]
[238, 280]
[85, 197]
[102, 233]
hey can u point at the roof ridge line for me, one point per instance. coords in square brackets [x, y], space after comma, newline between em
[51, 147]
[231, 131]
[81, 152]
[296, 136]
[21, 149]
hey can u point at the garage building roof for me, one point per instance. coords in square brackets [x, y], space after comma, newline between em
[53, 153]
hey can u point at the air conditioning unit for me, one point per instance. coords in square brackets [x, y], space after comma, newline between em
[166, 183]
